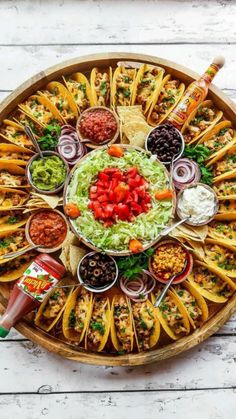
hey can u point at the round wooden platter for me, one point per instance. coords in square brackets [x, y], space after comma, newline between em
[85, 64]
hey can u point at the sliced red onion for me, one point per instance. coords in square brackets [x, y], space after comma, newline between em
[69, 145]
[142, 285]
[185, 172]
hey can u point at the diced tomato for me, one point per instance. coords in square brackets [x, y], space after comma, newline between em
[119, 195]
[115, 151]
[135, 246]
[103, 177]
[120, 191]
[103, 198]
[132, 172]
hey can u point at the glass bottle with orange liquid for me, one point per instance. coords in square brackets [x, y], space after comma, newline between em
[194, 94]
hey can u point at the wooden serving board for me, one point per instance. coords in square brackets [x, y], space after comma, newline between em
[85, 65]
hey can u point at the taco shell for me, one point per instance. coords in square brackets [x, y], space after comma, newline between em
[159, 99]
[48, 113]
[80, 90]
[12, 241]
[206, 287]
[77, 314]
[6, 226]
[98, 328]
[145, 319]
[10, 271]
[56, 92]
[146, 85]
[101, 86]
[162, 317]
[192, 302]
[8, 199]
[208, 139]
[122, 326]
[14, 154]
[225, 231]
[14, 133]
[218, 257]
[122, 86]
[187, 125]
[53, 306]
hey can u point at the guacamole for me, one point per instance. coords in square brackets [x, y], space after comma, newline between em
[48, 173]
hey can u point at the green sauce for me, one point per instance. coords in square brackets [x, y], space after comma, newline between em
[48, 173]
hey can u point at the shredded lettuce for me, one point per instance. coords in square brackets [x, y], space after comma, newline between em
[146, 226]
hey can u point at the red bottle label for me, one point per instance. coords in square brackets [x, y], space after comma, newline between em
[37, 282]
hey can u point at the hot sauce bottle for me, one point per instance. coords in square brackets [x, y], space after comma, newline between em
[29, 292]
[194, 94]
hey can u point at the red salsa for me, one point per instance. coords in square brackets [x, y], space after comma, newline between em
[47, 228]
[98, 125]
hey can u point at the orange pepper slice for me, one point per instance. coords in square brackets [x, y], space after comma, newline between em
[166, 194]
[135, 246]
[115, 151]
[72, 210]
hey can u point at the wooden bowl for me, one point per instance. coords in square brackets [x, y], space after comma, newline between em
[60, 347]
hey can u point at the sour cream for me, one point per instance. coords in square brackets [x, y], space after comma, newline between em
[197, 202]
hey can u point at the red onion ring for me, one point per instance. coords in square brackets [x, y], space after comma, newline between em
[143, 284]
[69, 145]
[185, 172]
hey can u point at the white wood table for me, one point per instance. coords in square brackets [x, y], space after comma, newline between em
[200, 383]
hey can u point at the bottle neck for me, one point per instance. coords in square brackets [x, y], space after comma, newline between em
[210, 73]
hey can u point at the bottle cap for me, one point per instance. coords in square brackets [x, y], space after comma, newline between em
[3, 332]
[219, 61]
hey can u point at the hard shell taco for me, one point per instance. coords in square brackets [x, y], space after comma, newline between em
[147, 83]
[77, 314]
[226, 188]
[224, 167]
[194, 303]
[11, 153]
[146, 325]
[218, 137]
[12, 176]
[211, 282]
[201, 121]
[101, 82]
[22, 119]
[172, 315]
[60, 97]
[223, 230]
[11, 220]
[122, 334]
[227, 210]
[41, 110]
[166, 98]
[122, 86]
[11, 198]
[14, 268]
[14, 133]
[80, 90]
[12, 241]
[222, 255]
[99, 324]
[53, 307]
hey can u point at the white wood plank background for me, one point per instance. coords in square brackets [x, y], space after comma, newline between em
[200, 383]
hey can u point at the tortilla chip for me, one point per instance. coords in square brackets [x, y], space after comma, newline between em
[127, 113]
[136, 132]
[75, 255]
